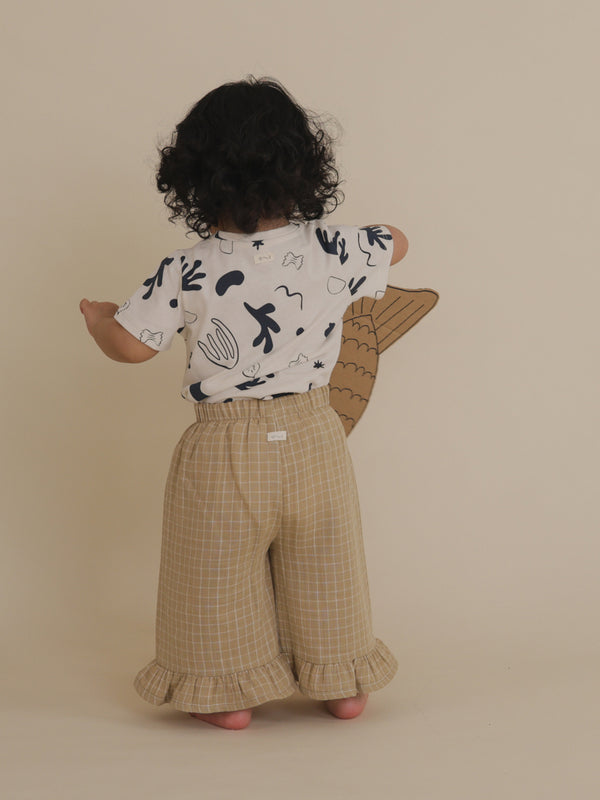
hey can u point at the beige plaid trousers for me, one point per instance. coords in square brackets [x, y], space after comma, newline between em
[263, 586]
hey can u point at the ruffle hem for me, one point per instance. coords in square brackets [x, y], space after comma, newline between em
[273, 681]
[361, 675]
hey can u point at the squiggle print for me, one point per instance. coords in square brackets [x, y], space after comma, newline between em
[290, 259]
[292, 294]
[302, 359]
[148, 336]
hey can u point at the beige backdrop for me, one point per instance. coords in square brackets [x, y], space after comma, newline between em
[474, 127]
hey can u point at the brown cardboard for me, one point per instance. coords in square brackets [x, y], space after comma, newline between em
[370, 327]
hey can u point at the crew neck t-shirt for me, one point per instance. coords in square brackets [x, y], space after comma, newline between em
[261, 313]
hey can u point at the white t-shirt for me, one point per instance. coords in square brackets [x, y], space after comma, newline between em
[261, 313]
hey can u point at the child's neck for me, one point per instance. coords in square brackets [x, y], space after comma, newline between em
[263, 224]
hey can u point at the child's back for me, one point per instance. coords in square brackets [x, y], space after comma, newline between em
[263, 585]
[261, 313]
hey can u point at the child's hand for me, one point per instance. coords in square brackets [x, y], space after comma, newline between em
[112, 338]
[94, 312]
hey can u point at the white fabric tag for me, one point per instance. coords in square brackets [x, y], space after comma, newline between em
[275, 436]
[263, 258]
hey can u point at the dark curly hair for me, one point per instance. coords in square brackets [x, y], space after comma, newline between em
[244, 152]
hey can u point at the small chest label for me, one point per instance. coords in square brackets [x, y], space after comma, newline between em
[276, 436]
[263, 258]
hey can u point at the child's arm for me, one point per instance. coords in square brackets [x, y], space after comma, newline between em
[112, 338]
[400, 244]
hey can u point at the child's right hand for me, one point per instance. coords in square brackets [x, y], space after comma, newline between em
[112, 338]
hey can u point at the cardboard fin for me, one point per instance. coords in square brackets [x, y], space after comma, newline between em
[370, 327]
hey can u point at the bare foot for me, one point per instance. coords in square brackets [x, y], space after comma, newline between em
[347, 707]
[232, 720]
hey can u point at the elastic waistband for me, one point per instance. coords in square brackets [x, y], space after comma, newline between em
[253, 407]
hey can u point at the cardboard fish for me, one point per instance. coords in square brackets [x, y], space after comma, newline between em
[370, 327]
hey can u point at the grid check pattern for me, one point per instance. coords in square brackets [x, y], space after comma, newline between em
[263, 583]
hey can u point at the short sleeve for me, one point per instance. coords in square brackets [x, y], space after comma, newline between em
[154, 313]
[360, 258]
[375, 248]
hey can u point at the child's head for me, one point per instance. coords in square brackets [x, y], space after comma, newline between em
[248, 151]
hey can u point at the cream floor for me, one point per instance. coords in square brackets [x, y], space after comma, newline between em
[514, 725]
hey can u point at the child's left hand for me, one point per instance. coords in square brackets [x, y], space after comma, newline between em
[95, 311]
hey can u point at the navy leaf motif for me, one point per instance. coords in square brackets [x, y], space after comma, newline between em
[267, 323]
[331, 246]
[375, 235]
[156, 279]
[249, 384]
[190, 276]
[355, 287]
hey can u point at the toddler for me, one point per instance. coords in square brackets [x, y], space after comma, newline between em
[262, 586]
